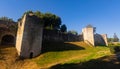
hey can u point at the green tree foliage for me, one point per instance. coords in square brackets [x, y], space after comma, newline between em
[63, 28]
[39, 14]
[73, 32]
[6, 19]
[10, 24]
[116, 39]
[27, 12]
[51, 21]
[110, 39]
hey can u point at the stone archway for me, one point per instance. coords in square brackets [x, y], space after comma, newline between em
[7, 40]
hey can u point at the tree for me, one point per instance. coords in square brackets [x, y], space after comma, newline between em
[73, 32]
[6, 19]
[57, 23]
[51, 21]
[116, 39]
[89, 26]
[48, 20]
[39, 14]
[27, 12]
[110, 39]
[94, 29]
[63, 28]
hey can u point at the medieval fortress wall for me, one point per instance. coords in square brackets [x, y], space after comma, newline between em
[5, 34]
[93, 39]
[29, 37]
[7, 30]
[88, 35]
[104, 36]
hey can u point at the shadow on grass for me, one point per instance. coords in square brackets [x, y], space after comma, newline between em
[6, 46]
[1, 57]
[59, 46]
[3, 48]
[6, 50]
[106, 62]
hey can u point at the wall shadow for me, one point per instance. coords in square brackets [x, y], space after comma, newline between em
[6, 46]
[0, 55]
[59, 46]
[5, 51]
[1, 58]
[106, 62]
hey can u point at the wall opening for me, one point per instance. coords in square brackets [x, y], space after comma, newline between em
[31, 54]
[8, 40]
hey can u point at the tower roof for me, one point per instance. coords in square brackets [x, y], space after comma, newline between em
[89, 26]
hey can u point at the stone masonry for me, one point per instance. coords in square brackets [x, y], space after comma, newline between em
[29, 36]
[7, 32]
[88, 35]
[93, 39]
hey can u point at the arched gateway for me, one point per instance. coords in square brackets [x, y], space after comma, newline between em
[8, 40]
[7, 32]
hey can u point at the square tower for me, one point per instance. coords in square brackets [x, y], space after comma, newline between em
[29, 36]
[88, 35]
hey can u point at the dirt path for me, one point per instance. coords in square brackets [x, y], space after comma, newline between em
[8, 56]
[9, 59]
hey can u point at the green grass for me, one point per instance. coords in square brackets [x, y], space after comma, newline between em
[82, 54]
[68, 55]
[92, 54]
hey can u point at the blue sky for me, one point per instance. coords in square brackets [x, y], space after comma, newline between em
[76, 14]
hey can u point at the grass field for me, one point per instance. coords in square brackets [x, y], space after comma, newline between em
[76, 53]
[68, 55]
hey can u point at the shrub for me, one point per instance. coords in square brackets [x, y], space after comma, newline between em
[111, 44]
[114, 49]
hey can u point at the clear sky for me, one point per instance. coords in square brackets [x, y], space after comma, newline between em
[76, 14]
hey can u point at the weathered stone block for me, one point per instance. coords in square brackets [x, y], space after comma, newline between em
[29, 37]
[93, 39]
[88, 35]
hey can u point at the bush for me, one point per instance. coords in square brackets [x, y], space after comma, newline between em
[111, 44]
[118, 43]
[114, 49]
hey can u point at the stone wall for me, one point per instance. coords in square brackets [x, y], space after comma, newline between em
[7, 33]
[7, 28]
[57, 36]
[88, 35]
[72, 37]
[52, 35]
[29, 37]
[104, 36]
[93, 39]
[100, 39]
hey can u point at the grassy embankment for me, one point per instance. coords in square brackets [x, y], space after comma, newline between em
[56, 55]
[69, 53]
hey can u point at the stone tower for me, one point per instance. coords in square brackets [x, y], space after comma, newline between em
[88, 35]
[93, 39]
[29, 36]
